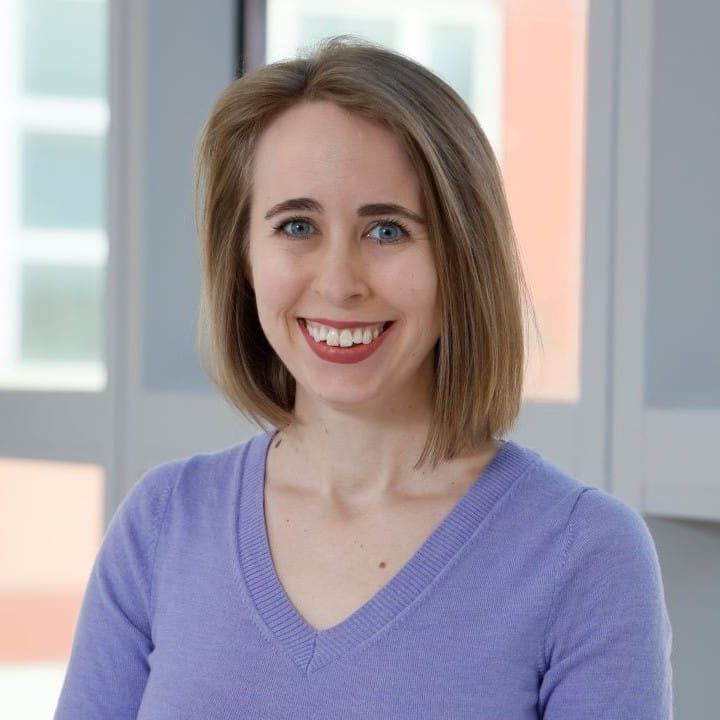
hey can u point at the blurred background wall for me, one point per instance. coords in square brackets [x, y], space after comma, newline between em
[603, 116]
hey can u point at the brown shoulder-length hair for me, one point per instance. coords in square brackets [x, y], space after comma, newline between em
[479, 357]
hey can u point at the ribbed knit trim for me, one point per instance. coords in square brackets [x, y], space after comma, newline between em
[311, 649]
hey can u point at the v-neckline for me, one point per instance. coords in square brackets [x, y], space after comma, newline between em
[312, 649]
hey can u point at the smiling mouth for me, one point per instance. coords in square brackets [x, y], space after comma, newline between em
[345, 337]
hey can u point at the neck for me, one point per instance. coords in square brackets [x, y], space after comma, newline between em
[360, 455]
[358, 460]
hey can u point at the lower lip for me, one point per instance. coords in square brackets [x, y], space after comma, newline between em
[344, 355]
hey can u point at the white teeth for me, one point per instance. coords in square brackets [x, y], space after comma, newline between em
[344, 337]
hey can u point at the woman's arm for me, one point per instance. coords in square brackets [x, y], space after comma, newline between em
[108, 667]
[608, 637]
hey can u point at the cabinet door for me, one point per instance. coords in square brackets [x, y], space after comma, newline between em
[163, 405]
[666, 364]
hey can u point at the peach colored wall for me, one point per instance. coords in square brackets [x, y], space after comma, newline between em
[543, 161]
[51, 519]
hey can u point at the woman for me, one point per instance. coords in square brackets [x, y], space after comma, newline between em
[382, 553]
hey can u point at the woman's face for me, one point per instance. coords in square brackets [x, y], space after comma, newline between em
[340, 260]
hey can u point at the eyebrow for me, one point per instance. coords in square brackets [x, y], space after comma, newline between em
[294, 204]
[389, 209]
[310, 205]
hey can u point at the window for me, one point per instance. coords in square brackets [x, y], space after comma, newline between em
[53, 246]
[521, 67]
[53, 125]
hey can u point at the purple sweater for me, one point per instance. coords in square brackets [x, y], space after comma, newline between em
[536, 597]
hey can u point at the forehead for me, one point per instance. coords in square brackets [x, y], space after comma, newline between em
[318, 148]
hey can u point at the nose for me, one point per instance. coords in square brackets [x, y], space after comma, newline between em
[340, 276]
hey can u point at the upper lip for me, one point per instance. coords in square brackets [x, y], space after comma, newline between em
[343, 324]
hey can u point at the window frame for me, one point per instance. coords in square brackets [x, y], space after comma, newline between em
[128, 428]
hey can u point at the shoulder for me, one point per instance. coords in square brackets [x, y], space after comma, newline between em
[605, 555]
[583, 510]
[600, 518]
[607, 635]
[609, 556]
[542, 496]
[586, 534]
[201, 475]
[595, 522]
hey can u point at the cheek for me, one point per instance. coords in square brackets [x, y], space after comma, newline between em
[420, 289]
[276, 282]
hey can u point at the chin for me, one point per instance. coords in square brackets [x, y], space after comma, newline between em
[346, 400]
[343, 397]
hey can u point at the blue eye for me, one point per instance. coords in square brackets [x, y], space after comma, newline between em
[298, 228]
[388, 232]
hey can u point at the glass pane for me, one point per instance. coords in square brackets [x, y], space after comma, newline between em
[543, 164]
[682, 351]
[682, 292]
[54, 119]
[63, 181]
[51, 519]
[521, 66]
[61, 313]
[451, 55]
[65, 46]
[316, 27]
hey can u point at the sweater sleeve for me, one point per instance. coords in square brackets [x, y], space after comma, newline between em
[608, 637]
[108, 667]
